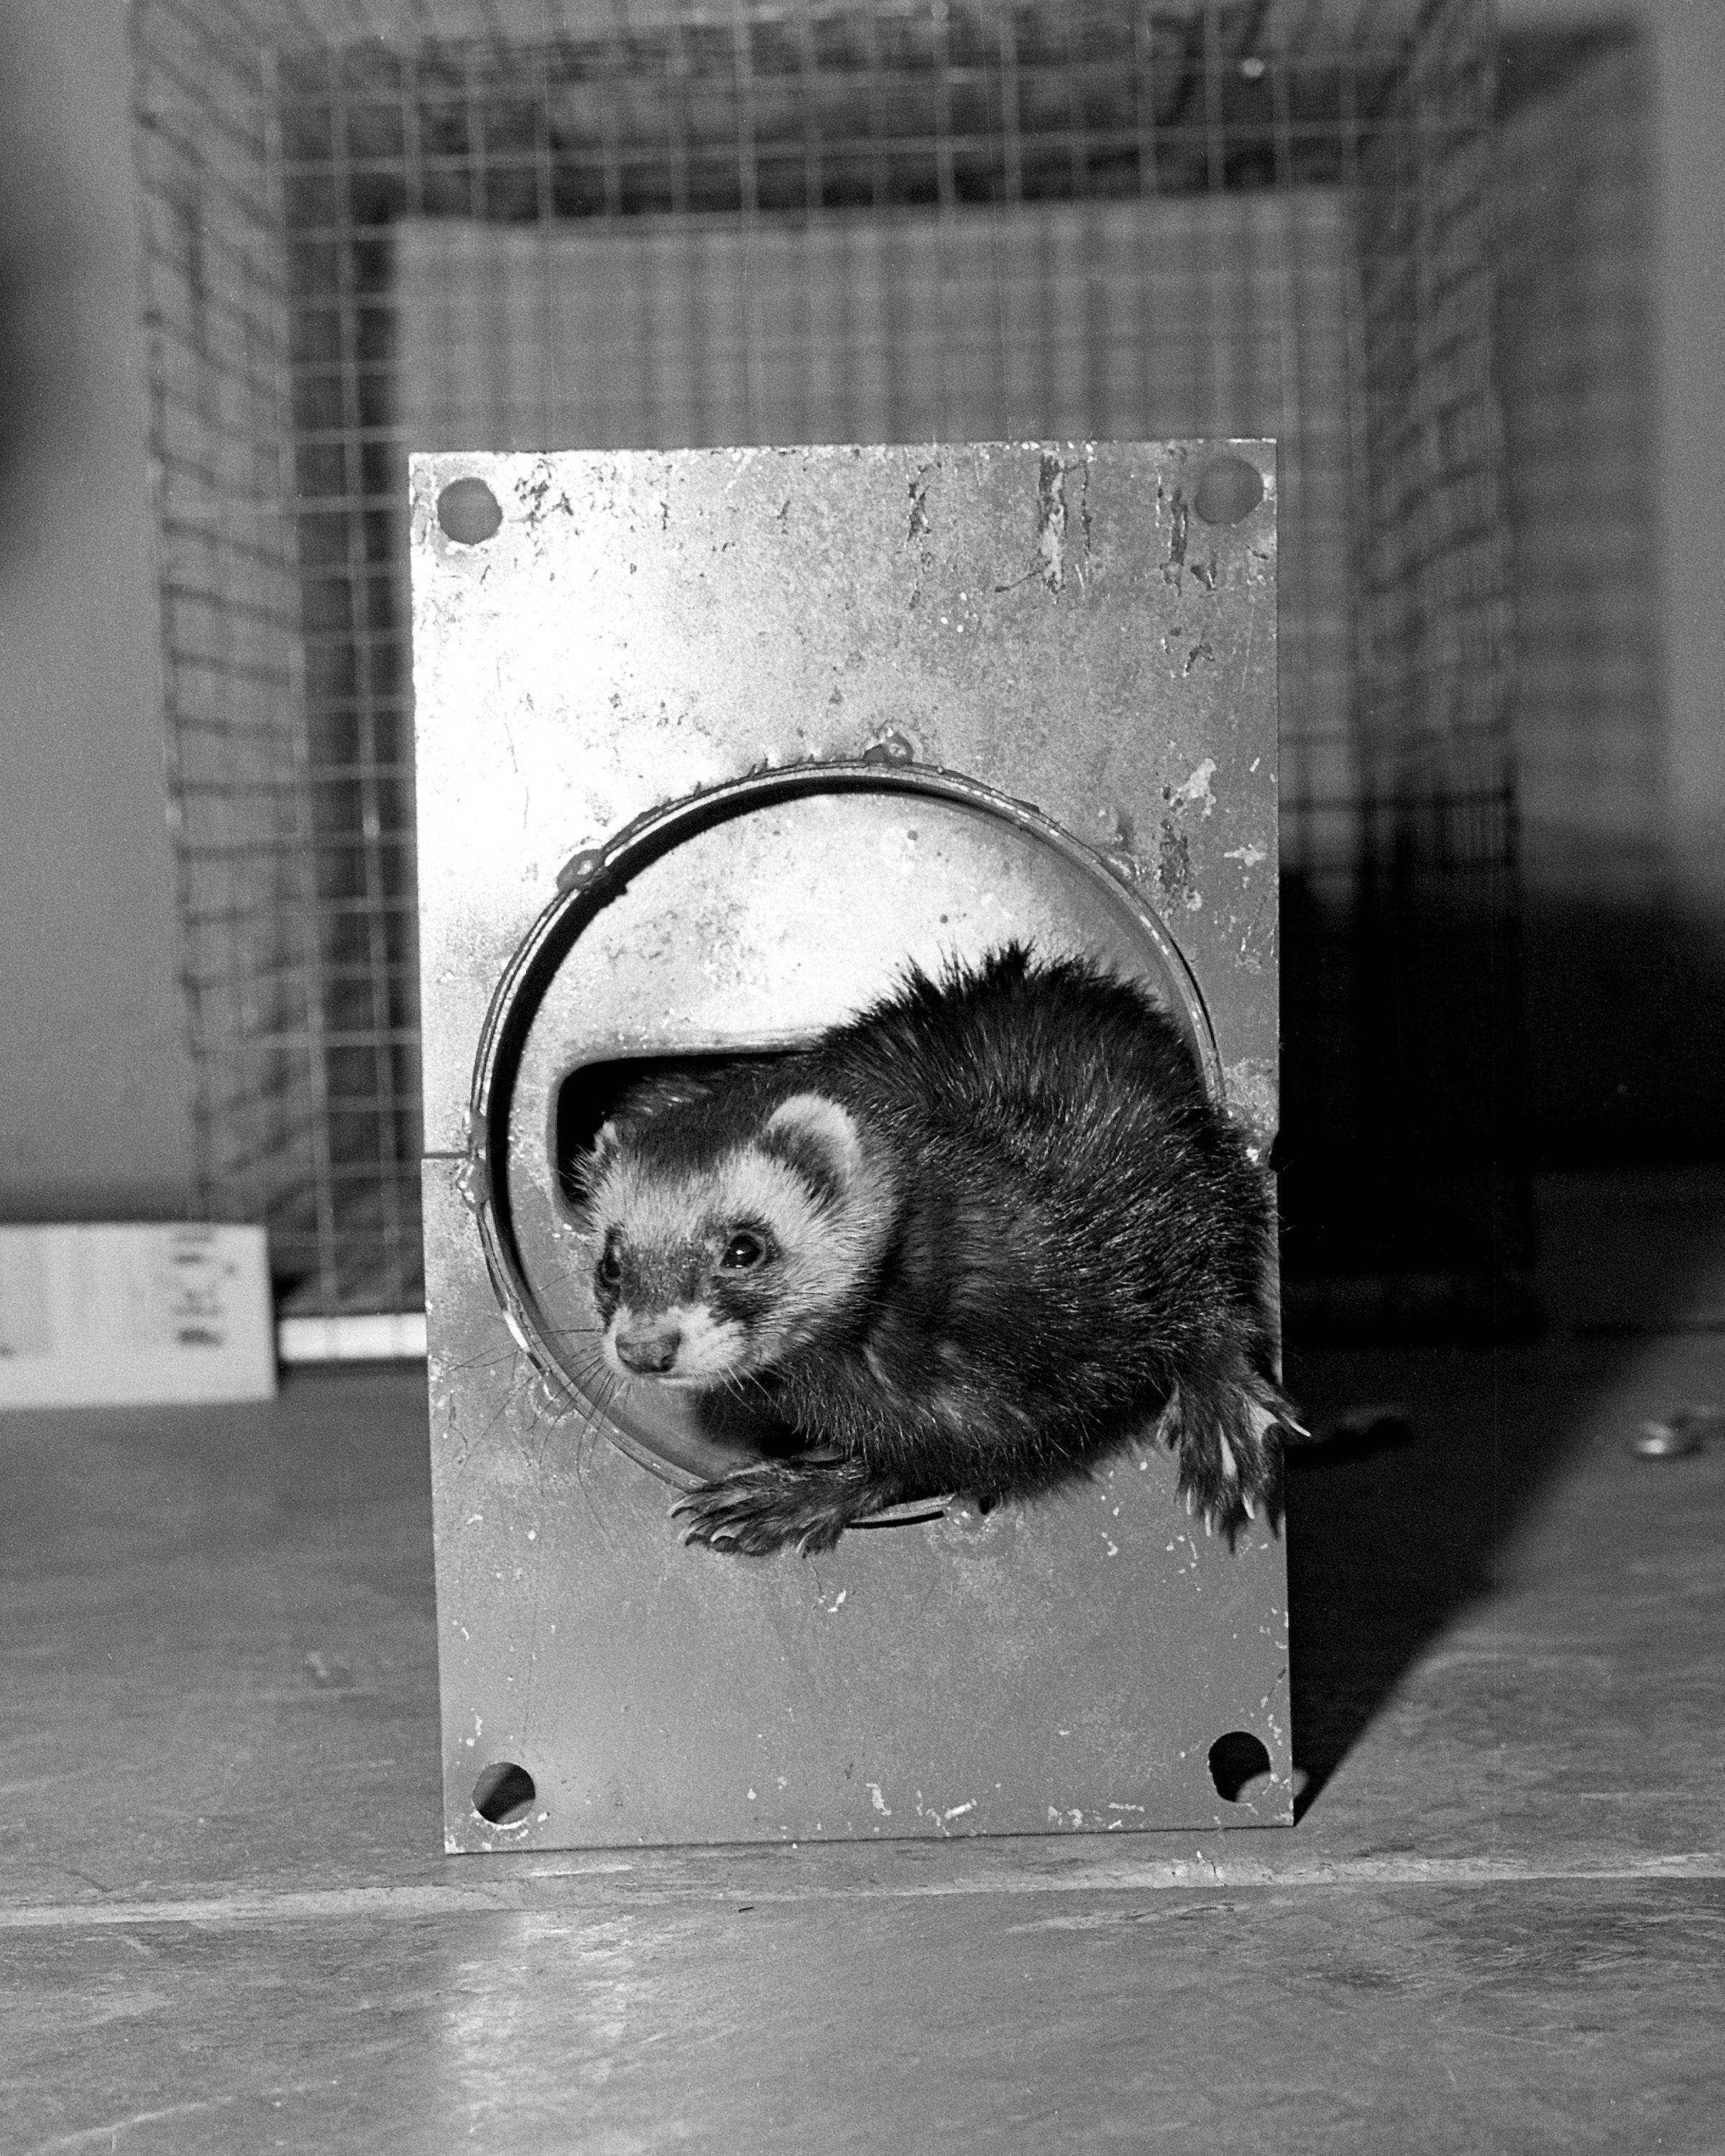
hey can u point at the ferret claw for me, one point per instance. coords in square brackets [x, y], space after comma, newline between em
[766, 1509]
[1251, 1510]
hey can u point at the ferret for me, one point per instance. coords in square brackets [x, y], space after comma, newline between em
[972, 1242]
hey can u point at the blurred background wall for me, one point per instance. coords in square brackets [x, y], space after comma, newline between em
[94, 1075]
[1611, 205]
[1612, 208]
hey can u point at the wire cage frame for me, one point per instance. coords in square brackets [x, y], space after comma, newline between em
[542, 224]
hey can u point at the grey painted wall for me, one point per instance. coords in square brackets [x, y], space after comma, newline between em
[94, 1081]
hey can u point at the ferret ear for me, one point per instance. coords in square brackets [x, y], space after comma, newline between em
[821, 1138]
[587, 1170]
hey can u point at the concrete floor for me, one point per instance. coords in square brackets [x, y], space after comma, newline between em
[226, 1924]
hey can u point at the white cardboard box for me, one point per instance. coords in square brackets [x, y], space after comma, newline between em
[126, 1315]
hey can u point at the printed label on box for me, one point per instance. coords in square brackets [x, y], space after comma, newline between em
[109, 1316]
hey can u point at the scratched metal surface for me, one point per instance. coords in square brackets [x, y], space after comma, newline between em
[1060, 625]
[1064, 1666]
[644, 623]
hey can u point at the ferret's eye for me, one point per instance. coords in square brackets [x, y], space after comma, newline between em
[610, 1268]
[743, 1252]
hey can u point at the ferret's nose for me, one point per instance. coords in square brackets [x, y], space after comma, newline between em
[648, 1354]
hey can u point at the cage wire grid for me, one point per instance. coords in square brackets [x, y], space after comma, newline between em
[369, 227]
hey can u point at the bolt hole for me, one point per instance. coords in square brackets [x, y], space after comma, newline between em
[504, 1792]
[1229, 489]
[467, 512]
[1236, 1761]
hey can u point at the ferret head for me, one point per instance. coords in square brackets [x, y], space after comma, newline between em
[715, 1255]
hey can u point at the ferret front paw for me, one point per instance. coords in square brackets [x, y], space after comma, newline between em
[1230, 1451]
[774, 1506]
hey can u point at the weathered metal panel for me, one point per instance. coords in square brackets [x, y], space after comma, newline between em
[1085, 627]
[644, 623]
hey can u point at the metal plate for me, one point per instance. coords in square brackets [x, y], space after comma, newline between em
[1060, 627]
[643, 625]
[1065, 1666]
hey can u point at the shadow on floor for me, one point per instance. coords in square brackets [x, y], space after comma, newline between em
[1392, 1533]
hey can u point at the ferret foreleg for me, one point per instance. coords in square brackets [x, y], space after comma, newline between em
[777, 1504]
[1226, 1433]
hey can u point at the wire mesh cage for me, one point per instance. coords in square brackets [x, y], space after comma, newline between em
[466, 223]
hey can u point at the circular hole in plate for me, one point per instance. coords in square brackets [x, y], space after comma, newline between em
[735, 927]
[504, 1792]
[1228, 489]
[467, 510]
[1236, 1761]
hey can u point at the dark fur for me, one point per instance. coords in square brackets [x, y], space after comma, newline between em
[1078, 1256]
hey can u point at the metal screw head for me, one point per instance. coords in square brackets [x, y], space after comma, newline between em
[580, 869]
